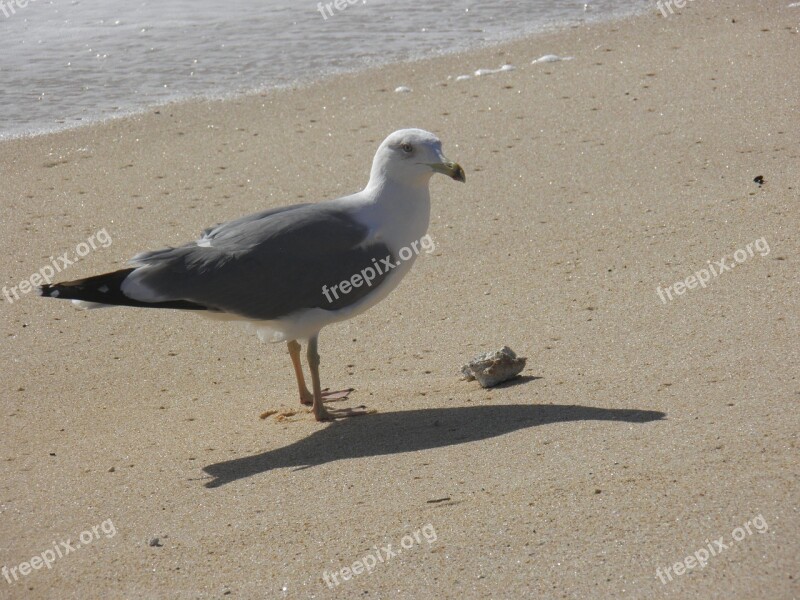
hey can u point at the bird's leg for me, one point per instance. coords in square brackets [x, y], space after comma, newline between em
[294, 351]
[320, 412]
[306, 397]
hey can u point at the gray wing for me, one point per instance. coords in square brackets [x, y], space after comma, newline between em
[221, 229]
[267, 265]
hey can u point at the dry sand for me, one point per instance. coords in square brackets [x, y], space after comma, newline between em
[640, 432]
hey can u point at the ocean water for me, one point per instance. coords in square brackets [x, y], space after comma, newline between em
[68, 62]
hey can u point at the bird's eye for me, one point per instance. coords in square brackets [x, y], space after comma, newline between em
[407, 148]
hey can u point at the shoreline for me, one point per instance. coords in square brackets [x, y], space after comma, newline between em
[310, 80]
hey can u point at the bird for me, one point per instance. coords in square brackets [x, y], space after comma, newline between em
[288, 272]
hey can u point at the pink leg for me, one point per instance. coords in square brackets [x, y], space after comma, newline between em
[306, 397]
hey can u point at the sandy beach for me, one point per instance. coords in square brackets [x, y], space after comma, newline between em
[610, 229]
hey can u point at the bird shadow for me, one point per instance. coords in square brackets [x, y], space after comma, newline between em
[412, 430]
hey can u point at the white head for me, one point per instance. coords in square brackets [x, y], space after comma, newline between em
[411, 157]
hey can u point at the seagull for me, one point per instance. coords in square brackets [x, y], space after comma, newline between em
[288, 272]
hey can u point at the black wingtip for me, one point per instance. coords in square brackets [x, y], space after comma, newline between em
[106, 289]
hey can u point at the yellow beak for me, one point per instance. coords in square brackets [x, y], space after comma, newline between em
[449, 168]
